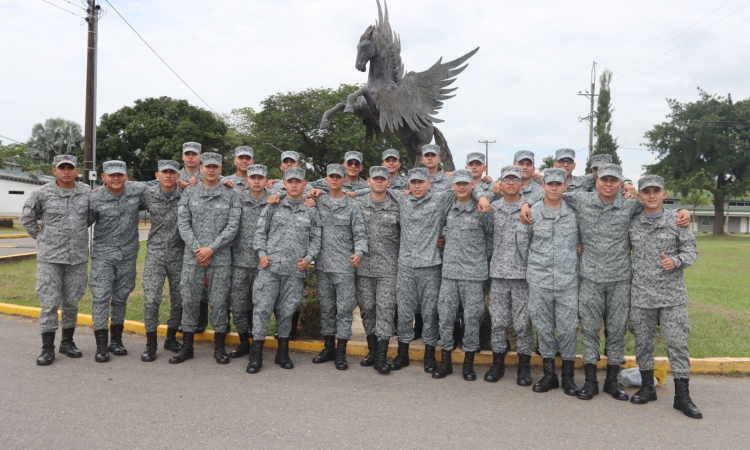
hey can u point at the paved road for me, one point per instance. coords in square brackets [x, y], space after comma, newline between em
[10, 247]
[130, 404]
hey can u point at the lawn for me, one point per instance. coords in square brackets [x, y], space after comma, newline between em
[17, 229]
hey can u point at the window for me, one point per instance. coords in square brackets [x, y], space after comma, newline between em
[15, 192]
[739, 203]
[669, 202]
[705, 221]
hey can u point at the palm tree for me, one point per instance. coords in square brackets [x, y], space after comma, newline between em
[696, 197]
[56, 137]
[548, 162]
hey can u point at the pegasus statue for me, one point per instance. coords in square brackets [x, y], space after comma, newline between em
[405, 105]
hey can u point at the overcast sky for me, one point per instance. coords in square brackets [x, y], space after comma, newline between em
[519, 89]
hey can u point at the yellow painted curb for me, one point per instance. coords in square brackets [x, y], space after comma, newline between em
[13, 236]
[10, 259]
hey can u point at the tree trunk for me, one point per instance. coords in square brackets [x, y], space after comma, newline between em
[719, 212]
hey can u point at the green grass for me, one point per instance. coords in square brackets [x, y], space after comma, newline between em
[17, 229]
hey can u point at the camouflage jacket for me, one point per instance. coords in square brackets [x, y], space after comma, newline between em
[348, 185]
[164, 240]
[382, 223]
[344, 234]
[440, 181]
[243, 253]
[468, 242]
[506, 259]
[116, 218]
[240, 183]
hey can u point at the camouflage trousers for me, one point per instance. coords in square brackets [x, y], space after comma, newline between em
[510, 296]
[337, 299]
[155, 271]
[418, 289]
[555, 310]
[56, 285]
[469, 294]
[376, 298]
[277, 294]
[609, 302]
[675, 328]
[111, 282]
[191, 286]
[241, 296]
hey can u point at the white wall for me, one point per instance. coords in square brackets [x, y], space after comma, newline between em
[12, 204]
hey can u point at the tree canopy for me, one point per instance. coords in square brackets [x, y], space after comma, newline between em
[605, 143]
[56, 136]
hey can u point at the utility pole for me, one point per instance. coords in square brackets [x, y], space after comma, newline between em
[89, 137]
[487, 154]
[591, 115]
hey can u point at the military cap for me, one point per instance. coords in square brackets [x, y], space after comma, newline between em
[551, 175]
[210, 158]
[610, 170]
[475, 156]
[168, 164]
[565, 153]
[191, 147]
[462, 175]
[66, 159]
[290, 154]
[391, 152]
[111, 167]
[257, 169]
[353, 155]
[294, 172]
[420, 173]
[379, 171]
[430, 148]
[243, 150]
[598, 160]
[508, 171]
[651, 181]
[524, 154]
[336, 169]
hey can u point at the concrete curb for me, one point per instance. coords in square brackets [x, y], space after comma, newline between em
[13, 236]
[17, 258]
[724, 366]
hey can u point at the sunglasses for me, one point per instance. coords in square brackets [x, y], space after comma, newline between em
[353, 163]
[565, 162]
[510, 180]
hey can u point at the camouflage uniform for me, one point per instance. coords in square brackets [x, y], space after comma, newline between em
[361, 183]
[439, 182]
[240, 183]
[62, 250]
[658, 296]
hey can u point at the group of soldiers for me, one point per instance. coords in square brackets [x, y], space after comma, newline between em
[552, 250]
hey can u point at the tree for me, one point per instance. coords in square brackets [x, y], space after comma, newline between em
[56, 137]
[19, 154]
[704, 146]
[154, 129]
[548, 162]
[605, 143]
[696, 197]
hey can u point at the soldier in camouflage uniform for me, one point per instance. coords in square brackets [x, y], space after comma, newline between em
[530, 190]
[287, 240]
[114, 209]
[565, 158]
[253, 198]
[62, 253]
[661, 253]
[243, 158]
[163, 258]
[208, 220]
[549, 249]
[191, 158]
[468, 246]
[392, 160]
[376, 274]
[343, 244]
[352, 182]
[431, 160]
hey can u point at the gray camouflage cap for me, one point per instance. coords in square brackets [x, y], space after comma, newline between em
[211, 159]
[420, 173]
[289, 154]
[599, 160]
[523, 154]
[294, 172]
[191, 147]
[565, 153]
[111, 167]
[475, 156]
[353, 155]
[650, 181]
[243, 150]
[336, 169]
[257, 169]
[509, 171]
[168, 164]
[551, 175]
[610, 170]
[66, 159]
[379, 171]
[462, 176]
[430, 148]
[391, 152]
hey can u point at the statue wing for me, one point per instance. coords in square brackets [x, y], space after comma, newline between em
[419, 95]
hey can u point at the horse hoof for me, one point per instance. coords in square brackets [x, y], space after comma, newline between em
[324, 125]
[349, 109]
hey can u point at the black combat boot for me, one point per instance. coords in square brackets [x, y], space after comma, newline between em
[468, 369]
[149, 354]
[372, 347]
[402, 358]
[418, 325]
[102, 354]
[446, 365]
[612, 385]
[647, 392]
[48, 349]
[590, 385]
[341, 363]
[568, 378]
[115, 340]
[497, 370]
[549, 380]
[202, 319]
[429, 361]
[244, 347]
[682, 400]
[67, 345]
[171, 342]
[282, 354]
[186, 352]
[220, 352]
[256, 356]
[295, 325]
[381, 362]
[329, 350]
[523, 375]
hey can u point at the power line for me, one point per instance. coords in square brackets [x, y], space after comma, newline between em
[6, 137]
[22, 107]
[66, 1]
[555, 112]
[678, 78]
[60, 7]
[157, 55]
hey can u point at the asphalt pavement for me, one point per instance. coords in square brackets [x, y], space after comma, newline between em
[126, 403]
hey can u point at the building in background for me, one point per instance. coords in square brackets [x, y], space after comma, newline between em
[15, 188]
[736, 210]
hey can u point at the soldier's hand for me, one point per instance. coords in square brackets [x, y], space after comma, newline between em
[579, 248]
[525, 215]
[302, 264]
[194, 180]
[227, 183]
[441, 242]
[269, 183]
[484, 205]
[203, 254]
[39, 225]
[536, 175]
[407, 192]
[666, 262]
[487, 179]
[496, 188]
[182, 184]
[351, 194]
[683, 218]
[96, 189]
[449, 174]
[310, 203]
[205, 262]
[355, 260]
[314, 193]
[272, 200]
[265, 262]
[628, 190]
